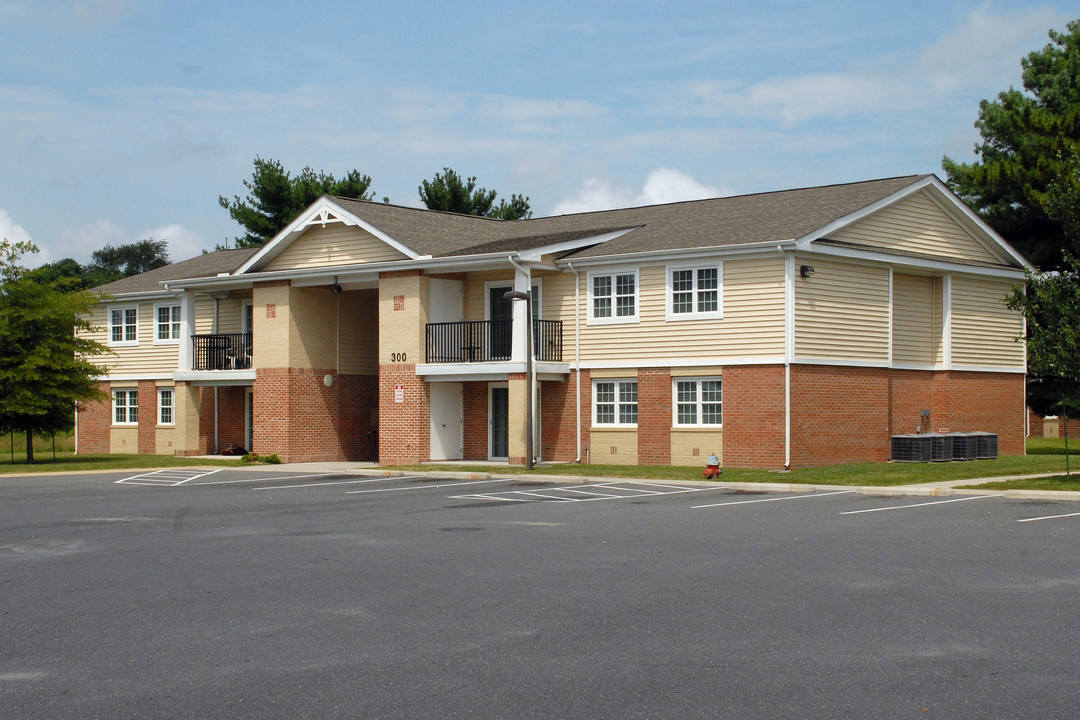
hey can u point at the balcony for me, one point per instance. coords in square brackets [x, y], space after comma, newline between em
[221, 352]
[481, 341]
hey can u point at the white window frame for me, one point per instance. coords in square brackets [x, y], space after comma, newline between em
[592, 318]
[127, 406]
[694, 313]
[163, 407]
[124, 325]
[617, 402]
[698, 402]
[175, 323]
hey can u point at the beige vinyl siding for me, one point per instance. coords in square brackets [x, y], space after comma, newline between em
[842, 313]
[916, 224]
[141, 359]
[476, 292]
[335, 244]
[984, 331]
[752, 325]
[230, 316]
[917, 316]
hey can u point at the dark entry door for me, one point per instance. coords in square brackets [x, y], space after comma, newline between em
[502, 313]
[500, 422]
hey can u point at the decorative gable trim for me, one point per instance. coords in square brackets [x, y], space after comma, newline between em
[949, 203]
[323, 211]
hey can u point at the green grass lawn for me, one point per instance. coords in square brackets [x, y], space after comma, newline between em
[1045, 456]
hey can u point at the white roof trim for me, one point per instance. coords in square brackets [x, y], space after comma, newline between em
[318, 214]
[946, 199]
[534, 254]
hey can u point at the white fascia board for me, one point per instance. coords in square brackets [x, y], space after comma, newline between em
[135, 297]
[939, 193]
[534, 254]
[310, 217]
[215, 377]
[367, 272]
[708, 362]
[109, 377]
[759, 249]
[901, 261]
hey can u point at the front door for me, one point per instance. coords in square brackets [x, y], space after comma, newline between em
[499, 422]
[501, 313]
[446, 421]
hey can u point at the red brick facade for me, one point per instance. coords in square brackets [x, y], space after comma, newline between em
[654, 416]
[404, 427]
[95, 424]
[300, 418]
[474, 400]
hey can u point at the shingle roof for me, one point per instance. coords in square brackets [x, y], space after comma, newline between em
[717, 222]
[206, 265]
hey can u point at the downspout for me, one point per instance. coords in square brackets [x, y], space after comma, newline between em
[577, 353]
[76, 428]
[217, 389]
[789, 346]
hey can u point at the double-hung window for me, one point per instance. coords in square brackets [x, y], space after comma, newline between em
[698, 402]
[166, 323]
[165, 406]
[124, 325]
[126, 407]
[613, 297]
[615, 402]
[695, 292]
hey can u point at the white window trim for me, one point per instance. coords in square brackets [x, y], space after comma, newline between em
[717, 314]
[675, 402]
[617, 382]
[123, 310]
[591, 319]
[179, 323]
[172, 406]
[128, 393]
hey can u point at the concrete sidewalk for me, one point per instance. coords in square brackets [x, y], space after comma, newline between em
[935, 489]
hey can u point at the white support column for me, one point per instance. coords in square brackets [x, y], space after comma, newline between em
[187, 329]
[522, 283]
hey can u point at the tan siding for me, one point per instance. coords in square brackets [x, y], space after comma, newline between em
[984, 331]
[916, 224]
[752, 326]
[313, 321]
[705, 441]
[334, 244]
[476, 291]
[842, 313]
[916, 314]
[142, 359]
[230, 315]
[613, 447]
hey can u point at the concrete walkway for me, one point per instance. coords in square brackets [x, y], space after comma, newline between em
[935, 489]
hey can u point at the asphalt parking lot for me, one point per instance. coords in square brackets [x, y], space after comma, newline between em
[284, 595]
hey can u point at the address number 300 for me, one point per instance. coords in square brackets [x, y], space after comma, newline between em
[397, 357]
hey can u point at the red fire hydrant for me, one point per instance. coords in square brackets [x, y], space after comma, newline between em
[712, 468]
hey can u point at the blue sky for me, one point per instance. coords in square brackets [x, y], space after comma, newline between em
[124, 119]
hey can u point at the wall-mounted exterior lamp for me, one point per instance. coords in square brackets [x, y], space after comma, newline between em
[806, 270]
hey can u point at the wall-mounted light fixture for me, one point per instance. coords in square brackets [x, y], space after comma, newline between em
[806, 270]
[335, 288]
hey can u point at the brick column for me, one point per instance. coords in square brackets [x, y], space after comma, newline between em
[654, 416]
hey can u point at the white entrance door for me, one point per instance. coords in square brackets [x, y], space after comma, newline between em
[446, 421]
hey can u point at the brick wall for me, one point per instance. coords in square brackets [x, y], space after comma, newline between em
[474, 399]
[405, 427]
[654, 416]
[231, 425]
[95, 423]
[839, 415]
[754, 416]
[300, 419]
[148, 411]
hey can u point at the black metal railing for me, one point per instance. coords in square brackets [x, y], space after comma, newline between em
[231, 351]
[488, 341]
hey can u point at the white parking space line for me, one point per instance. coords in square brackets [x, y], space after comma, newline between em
[917, 505]
[166, 478]
[264, 479]
[322, 484]
[414, 488]
[765, 500]
[1049, 517]
[619, 490]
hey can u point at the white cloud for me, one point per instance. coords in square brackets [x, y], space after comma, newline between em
[663, 185]
[183, 243]
[11, 230]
